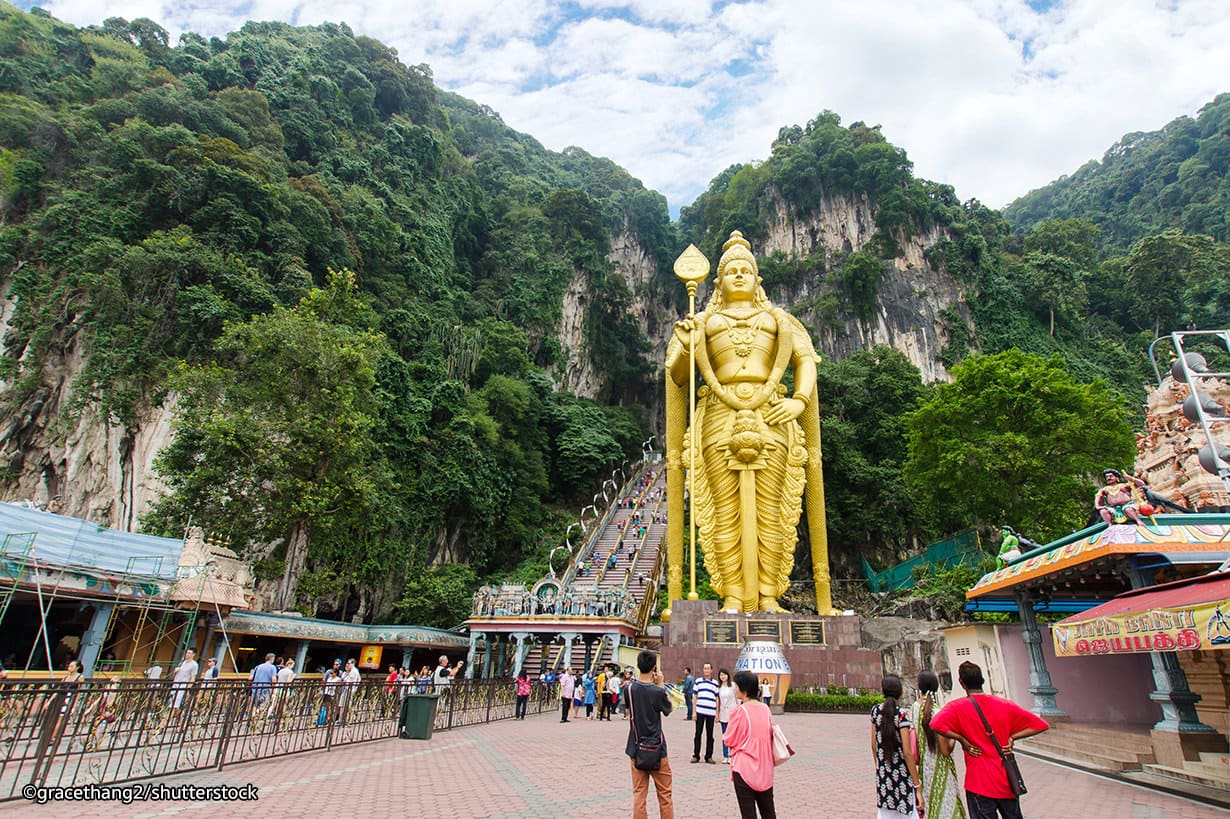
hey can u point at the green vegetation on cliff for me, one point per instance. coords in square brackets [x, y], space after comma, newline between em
[173, 213]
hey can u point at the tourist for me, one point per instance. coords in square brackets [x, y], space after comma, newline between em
[422, 684]
[523, 693]
[688, 682]
[987, 791]
[210, 678]
[603, 702]
[897, 785]
[726, 703]
[329, 693]
[766, 691]
[444, 675]
[705, 707]
[587, 682]
[749, 734]
[390, 682]
[262, 678]
[612, 691]
[567, 683]
[578, 694]
[185, 675]
[649, 703]
[936, 770]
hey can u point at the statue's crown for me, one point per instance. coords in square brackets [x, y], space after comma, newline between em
[736, 247]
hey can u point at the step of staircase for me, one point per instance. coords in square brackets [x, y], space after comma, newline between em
[1194, 772]
[1103, 749]
[1216, 794]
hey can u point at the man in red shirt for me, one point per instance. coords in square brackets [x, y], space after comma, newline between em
[986, 784]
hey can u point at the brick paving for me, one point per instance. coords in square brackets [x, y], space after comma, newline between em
[542, 768]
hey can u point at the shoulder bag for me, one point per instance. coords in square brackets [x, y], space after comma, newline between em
[648, 754]
[781, 746]
[1011, 768]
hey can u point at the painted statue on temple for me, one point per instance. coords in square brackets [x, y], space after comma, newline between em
[1121, 498]
[757, 460]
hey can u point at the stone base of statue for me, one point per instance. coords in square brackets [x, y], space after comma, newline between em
[813, 650]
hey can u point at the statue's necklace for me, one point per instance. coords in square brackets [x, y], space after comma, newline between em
[742, 333]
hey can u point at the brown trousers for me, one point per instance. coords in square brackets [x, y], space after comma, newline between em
[661, 783]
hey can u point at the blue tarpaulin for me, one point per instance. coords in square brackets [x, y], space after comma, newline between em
[65, 541]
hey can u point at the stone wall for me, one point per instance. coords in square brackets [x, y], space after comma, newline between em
[842, 660]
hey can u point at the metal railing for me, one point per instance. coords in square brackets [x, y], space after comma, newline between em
[54, 734]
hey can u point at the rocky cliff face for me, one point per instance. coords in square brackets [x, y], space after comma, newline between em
[83, 466]
[911, 294]
[76, 463]
[639, 270]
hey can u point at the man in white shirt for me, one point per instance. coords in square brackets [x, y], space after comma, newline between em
[185, 675]
[705, 705]
[612, 688]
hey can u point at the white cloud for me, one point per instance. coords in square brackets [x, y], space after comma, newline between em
[988, 95]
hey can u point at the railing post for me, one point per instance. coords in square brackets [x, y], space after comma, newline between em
[490, 697]
[225, 739]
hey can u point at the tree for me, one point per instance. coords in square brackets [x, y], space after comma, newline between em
[273, 439]
[1159, 271]
[1056, 283]
[438, 597]
[864, 401]
[1014, 439]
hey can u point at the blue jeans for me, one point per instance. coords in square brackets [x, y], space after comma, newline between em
[725, 750]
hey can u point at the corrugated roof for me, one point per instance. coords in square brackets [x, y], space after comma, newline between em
[67, 541]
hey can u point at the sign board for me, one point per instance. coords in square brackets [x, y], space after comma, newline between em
[763, 628]
[369, 657]
[722, 631]
[1182, 628]
[807, 632]
[762, 657]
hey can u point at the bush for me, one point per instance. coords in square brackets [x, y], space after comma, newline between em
[803, 701]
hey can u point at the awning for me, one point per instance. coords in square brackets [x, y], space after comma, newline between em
[1181, 616]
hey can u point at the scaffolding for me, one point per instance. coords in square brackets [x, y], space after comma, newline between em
[15, 565]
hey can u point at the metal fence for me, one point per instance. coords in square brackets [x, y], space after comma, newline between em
[98, 732]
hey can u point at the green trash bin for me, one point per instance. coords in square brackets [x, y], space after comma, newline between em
[418, 716]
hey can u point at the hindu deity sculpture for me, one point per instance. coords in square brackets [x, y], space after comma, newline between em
[757, 458]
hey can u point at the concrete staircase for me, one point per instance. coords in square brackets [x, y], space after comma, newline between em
[1212, 770]
[1105, 748]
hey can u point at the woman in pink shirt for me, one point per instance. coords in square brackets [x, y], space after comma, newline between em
[749, 735]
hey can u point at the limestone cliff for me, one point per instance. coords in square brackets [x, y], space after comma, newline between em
[911, 294]
[74, 462]
[911, 297]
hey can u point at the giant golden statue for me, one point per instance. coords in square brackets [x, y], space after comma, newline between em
[757, 457]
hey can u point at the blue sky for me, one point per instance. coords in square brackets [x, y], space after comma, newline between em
[996, 97]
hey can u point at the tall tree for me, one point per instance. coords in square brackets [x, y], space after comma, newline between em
[273, 439]
[1014, 439]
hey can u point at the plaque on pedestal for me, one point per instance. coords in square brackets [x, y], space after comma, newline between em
[722, 631]
[765, 629]
[807, 632]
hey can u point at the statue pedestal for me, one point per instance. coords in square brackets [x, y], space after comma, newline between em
[820, 650]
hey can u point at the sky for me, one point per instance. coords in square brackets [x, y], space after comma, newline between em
[995, 97]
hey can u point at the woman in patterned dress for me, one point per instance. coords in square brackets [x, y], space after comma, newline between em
[939, 773]
[897, 785]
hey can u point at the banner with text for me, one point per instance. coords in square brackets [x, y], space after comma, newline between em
[1182, 628]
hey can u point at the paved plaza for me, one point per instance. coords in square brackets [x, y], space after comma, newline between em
[542, 768]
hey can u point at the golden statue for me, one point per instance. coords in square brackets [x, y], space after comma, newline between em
[757, 454]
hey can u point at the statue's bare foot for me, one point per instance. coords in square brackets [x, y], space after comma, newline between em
[771, 604]
[732, 606]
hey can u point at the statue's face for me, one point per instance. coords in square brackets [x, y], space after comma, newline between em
[739, 281]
